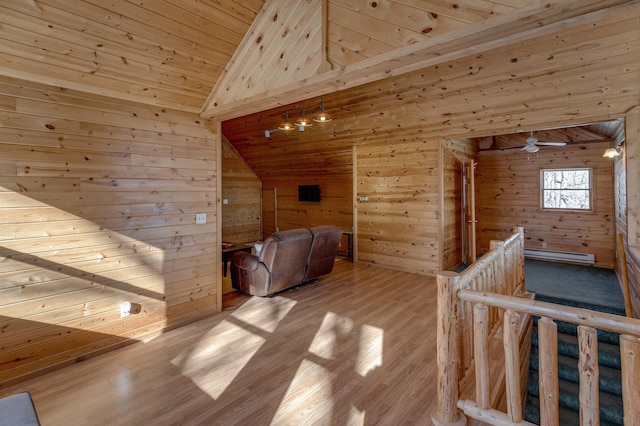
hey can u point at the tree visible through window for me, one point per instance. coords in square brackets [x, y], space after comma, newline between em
[566, 189]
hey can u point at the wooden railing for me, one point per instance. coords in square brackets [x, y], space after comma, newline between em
[499, 271]
[587, 321]
[484, 325]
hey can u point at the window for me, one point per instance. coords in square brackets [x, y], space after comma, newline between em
[568, 189]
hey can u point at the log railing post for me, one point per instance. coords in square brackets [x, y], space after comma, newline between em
[481, 354]
[589, 376]
[447, 413]
[519, 267]
[512, 365]
[501, 274]
[549, 388]
[630, 358]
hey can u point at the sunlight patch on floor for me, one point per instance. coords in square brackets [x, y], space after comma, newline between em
[224, 351]
[264, 313]
[358, 351]
[334, 327]
[370, 353]
[309, 399]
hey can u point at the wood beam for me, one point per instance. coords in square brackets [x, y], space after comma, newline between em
[535, 20]
[632, 158]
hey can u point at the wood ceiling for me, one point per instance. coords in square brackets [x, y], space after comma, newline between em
[173, 53]
[161, 52]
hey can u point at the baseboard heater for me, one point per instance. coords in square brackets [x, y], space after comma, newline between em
[587, 258]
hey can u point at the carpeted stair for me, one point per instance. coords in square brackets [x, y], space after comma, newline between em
[568, 376]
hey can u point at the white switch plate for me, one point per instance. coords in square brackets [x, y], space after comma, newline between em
[225, 201]
[201, 218]
[364, 198]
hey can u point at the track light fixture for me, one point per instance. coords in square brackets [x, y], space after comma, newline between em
[267, 133]
[302, 122]
[322, 116]
[286, 124]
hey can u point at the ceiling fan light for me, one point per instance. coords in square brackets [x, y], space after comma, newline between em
[611, 152]
[531, 148]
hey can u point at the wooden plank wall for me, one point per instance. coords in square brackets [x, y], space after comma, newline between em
[98, 204]
[620, 194]
[241, 216]
[399, 224]
[335, 206]
[633, 269]
[620, 209]
[455, 154]
[632, 157]
[632, 172]
[508, 195]
[579, 75]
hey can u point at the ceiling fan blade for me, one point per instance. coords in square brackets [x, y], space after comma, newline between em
[551, 143]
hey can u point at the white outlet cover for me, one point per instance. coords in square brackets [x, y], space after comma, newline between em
[125, 309]
[201, 218]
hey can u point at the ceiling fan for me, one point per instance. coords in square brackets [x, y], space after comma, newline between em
[533, 144]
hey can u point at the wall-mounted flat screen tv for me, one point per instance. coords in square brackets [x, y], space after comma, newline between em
[308, 192]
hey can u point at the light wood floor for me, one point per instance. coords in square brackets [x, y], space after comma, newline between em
[357, 347]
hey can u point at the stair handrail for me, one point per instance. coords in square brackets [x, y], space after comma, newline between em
[587, 321]
[500, 270]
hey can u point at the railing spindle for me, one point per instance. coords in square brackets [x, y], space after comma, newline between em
[548, 353]
[456, 334]
[481, 354]
[512, 365]
[589, 374]
[465, 338]
[630, 357]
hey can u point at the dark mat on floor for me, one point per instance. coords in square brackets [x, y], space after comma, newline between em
[586, 284]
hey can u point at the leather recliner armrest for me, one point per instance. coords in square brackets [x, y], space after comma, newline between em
[246, 261]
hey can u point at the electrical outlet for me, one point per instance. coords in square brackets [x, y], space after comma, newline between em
[201, 218]
[225, 201]
[125, 309]
[364, 198]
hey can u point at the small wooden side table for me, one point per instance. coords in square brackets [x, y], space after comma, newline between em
[229, 251]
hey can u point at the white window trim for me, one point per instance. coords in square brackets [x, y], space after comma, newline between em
[591, 190]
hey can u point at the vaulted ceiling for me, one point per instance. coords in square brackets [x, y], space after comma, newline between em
[173, 52]
[249, 61]
[162, 52]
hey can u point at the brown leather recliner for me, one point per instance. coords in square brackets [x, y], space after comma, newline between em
[287, 258]
[281, 264]
[322, 255]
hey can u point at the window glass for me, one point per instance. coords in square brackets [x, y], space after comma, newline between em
[568, 189]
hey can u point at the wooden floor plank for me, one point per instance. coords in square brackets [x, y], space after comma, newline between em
[357, 347]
